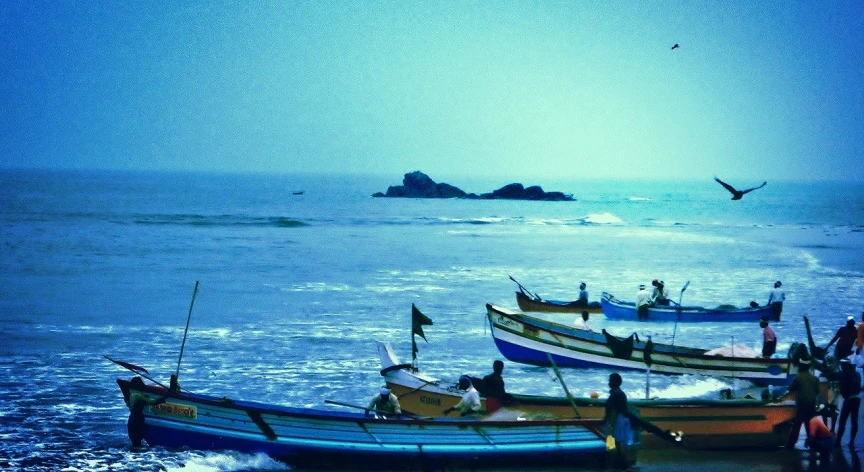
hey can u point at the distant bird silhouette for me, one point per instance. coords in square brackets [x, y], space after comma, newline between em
[737, 194]
[675, 46]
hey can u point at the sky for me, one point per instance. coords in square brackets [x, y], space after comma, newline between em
[756, 90]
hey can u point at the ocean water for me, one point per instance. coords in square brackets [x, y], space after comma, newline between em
[294, 289]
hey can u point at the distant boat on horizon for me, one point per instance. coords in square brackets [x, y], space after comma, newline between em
[299, 192]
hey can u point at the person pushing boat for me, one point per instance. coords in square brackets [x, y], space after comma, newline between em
[643, 302]
[776, 297]
[470, 403]
[136, 426]
[384, 403]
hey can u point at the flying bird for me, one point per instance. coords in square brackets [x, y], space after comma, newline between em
[737, 194]
[675, 46]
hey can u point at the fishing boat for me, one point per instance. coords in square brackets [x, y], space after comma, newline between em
[706, 424]
[525, 339]
[617, 309]
[529, 301]
[307, 437]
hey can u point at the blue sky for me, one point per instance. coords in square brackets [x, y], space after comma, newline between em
[756, 91]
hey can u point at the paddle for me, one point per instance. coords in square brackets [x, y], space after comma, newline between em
[566, 390]
[523, 289]
[678, 313]
[137, 370]
[348, 405]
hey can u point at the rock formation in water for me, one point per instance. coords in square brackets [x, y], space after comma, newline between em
[418, 185]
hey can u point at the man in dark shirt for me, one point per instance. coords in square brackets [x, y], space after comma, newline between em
[845, 337]
[493, 387]
[806, 388]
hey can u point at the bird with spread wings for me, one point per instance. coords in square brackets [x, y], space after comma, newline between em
[737, 194]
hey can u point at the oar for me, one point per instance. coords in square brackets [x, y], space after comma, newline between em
[566, 390]
[137, 370]
[348, 405]
[678, 312]
[682, 292]
[524, 290]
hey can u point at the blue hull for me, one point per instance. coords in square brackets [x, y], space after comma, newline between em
[323, 438]
[524, 339]
[418, 457]
[616, 309]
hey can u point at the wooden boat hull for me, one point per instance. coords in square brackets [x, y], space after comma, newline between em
[706, 424]
[323, 438]
[528, 340]
[617, 309]
[527, 303]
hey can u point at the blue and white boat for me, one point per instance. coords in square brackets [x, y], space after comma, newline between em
[528, 340]
[617, 309]
[323, 438]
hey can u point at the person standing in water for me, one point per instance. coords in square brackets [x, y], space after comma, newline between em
[136, 426]
[769, 339]
[776, 298]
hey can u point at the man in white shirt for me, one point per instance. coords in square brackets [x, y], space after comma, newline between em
[775, 299]
[470, 403]
[643, 301]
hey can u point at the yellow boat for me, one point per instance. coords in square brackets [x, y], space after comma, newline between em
[705, 424]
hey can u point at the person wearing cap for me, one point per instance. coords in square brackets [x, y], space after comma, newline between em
[660, 295]
[583, 295]
[776, 297]
[805, 386]
[643, 302]
[384, 403]
[470, 403]
[846, 336]
[769, 339]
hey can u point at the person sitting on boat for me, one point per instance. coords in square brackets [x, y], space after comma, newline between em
[493, 385]
[660, 295]
[384, 403]
[616, 420]
[137, 402]
[776, 298]
[846, 336]
[583, 295]
[769, 339]
[470, 403]
[582, 323]
[643, 302]
[805, 386]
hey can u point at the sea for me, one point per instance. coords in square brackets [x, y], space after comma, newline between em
[299, 275]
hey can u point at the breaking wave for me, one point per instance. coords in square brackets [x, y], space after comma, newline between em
[218, 220]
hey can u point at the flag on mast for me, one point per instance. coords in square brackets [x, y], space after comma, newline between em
[417, 321]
